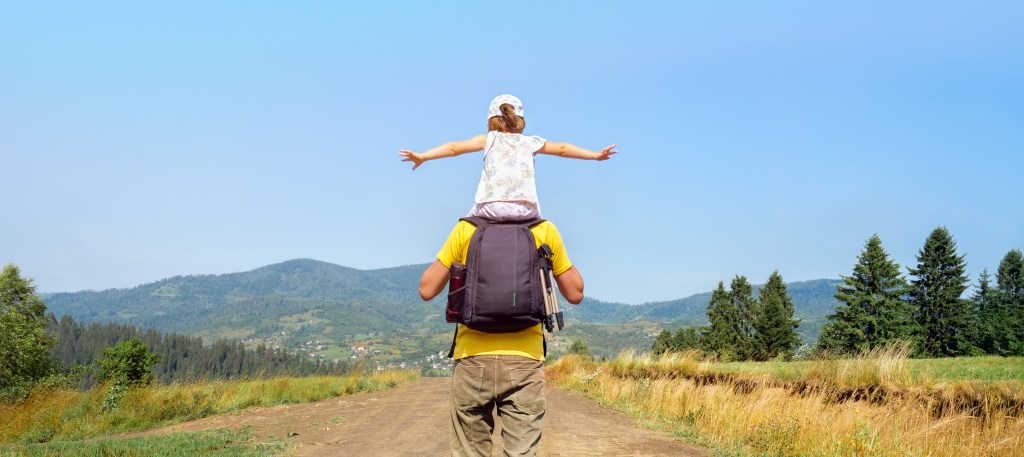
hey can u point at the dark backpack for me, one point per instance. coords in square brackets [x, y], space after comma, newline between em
[502, 291]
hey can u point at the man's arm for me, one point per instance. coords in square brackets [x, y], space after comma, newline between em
[435, 277]
[450, 149]
[570, 284]
[572, 151]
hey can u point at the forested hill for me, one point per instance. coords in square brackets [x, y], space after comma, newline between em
[357, 300]
[335, 301]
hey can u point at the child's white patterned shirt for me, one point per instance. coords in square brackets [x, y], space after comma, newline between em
[508, 168]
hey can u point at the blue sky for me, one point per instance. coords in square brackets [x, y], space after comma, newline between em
[142, 141]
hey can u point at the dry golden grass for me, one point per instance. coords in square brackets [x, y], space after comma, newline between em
[884, 366]
[48, 415]
[762, 415]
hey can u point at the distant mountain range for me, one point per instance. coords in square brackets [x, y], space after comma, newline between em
[319, 300]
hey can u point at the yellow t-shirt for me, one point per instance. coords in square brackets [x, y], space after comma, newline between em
[525, 343]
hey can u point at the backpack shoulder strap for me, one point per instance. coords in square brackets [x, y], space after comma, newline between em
[534, 222]
[481, 222]
[477, 221]
[451, 352]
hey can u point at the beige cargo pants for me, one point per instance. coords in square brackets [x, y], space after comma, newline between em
[515, 385]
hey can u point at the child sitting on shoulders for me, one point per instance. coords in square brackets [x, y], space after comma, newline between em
[507, 189]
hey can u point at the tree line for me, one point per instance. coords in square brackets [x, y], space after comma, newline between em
[881, 306]
[182, 357]
[878, 306]
[36, 347]
[740, 326]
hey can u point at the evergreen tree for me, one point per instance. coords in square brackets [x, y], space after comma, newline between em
[944, 319]
[1010, 278]
[873, 312]
[686, 337]
[24, 343]
[995, 331]
[741, 294]
[720, 337]
[662, 342]
[775, 327]
[730, 331]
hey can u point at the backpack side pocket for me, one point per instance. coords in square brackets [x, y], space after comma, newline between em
[456, 292]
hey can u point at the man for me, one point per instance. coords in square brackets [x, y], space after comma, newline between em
[498, 369]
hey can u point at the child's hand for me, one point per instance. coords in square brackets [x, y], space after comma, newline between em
[606, 153]
[413, 157]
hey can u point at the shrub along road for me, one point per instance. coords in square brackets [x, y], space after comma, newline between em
[412, 420]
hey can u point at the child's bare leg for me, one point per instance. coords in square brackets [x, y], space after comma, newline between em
[506, 211]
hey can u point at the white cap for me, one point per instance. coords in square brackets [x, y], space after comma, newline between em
[495, 108]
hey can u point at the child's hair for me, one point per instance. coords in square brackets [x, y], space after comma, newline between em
[508, 122]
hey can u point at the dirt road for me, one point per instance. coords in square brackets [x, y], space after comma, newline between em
[412, 420]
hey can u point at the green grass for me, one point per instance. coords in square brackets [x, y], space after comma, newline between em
[334, 352]
[215, 443]
[988, 368]
[295, 322]
[224, 332]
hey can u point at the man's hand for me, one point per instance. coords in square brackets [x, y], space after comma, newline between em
[416, 159]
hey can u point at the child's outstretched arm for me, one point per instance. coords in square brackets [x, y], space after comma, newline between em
[450, 149]
[575, 152]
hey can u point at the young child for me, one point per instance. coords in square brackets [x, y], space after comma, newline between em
[507, 189]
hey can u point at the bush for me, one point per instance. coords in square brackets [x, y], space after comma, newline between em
[127, 364]
[579, 347]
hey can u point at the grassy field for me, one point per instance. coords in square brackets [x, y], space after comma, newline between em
[213, 443]
[881, 404]
[920, 371]
[334, 352]
[60, 417]
[605, 340]
[225, 332]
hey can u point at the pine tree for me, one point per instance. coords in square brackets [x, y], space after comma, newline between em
[944, 319]
[24, 343]
[995, 332]
[719, 336]
[741, 294]
[685, 338]
[662, 343]
[1010, 278]
[775, 327]
[874, 312]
